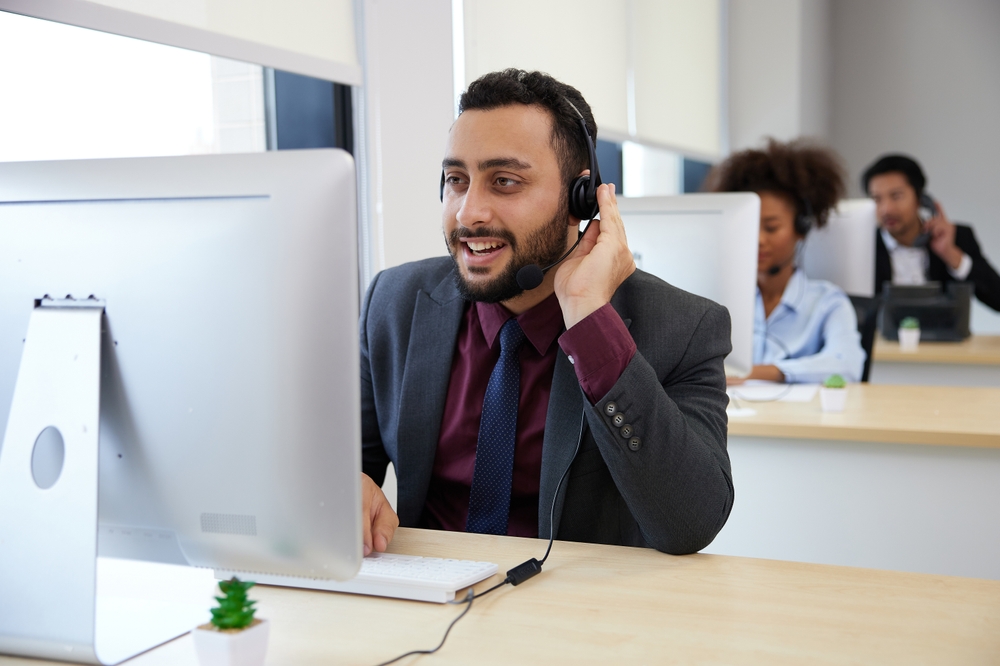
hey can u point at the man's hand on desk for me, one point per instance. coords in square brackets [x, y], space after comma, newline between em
[379, 520]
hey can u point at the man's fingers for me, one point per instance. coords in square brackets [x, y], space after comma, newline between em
[384, 527]
[366, 525]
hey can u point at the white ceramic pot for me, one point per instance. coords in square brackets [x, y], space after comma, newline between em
[832, 399]
[909, 338]
[247, 647]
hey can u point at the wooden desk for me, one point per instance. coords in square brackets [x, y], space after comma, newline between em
[878, 413]
[906, 478]
[608, 604]
[972, 362]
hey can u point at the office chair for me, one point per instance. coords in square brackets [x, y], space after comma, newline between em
[866, 309]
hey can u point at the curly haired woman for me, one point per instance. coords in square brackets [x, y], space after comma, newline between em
[804, 330]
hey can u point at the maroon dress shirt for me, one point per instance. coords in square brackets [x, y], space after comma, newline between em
[599, 347]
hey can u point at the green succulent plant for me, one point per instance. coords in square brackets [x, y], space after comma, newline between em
[235, 611]
[909, 322]
[835, 382]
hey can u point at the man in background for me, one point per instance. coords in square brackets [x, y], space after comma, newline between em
[912, 251]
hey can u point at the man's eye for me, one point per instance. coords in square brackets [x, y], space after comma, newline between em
[506, 182]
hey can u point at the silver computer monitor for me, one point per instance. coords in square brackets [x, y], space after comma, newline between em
[229, 399]
[843, 251]
[705, 244]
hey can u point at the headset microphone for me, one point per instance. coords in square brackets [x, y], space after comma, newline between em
[530, 276]
[777, 268]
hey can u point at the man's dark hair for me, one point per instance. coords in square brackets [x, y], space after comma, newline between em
[516, 86]
[801, 171]
[896, 163]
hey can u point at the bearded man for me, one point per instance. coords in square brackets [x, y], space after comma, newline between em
[591, 407]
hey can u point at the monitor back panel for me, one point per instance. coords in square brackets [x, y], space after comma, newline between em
[843, 252]
[705, 244]
[230, 399]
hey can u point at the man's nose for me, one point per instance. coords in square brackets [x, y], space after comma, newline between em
[475, 208]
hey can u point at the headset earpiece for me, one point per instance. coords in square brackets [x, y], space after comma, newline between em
[806, 220]
[583, 198]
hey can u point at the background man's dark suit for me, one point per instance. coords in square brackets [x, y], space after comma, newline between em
[982, 275]
[673, 493]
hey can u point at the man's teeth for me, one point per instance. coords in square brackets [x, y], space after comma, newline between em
[481, 247]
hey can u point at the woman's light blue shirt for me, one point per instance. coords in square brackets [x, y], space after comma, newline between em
[811, 334]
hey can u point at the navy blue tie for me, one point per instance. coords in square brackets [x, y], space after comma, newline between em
[489, 499]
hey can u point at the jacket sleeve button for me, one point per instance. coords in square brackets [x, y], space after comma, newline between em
[626, 431]
[618, 420]
[634, 443]
[610, 409]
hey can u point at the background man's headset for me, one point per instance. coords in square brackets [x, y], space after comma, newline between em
[582, 205]
[805, 220]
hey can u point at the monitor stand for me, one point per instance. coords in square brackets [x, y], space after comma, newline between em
[59, 601]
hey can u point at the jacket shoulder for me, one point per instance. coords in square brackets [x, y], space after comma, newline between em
[407, 279]
[656, 299]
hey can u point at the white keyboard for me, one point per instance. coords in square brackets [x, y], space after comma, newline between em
[397, 576]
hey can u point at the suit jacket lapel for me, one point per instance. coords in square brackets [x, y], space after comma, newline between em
[434, 329]
[563, 429]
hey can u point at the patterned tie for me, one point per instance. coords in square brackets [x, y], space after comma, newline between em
[489, 499]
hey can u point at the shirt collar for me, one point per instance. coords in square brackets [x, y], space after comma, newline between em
[794, 290]
[541, 324]
[890, 243]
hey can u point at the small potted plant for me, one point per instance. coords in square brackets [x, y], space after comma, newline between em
[234, 637]
[833, 394]
[909, 334]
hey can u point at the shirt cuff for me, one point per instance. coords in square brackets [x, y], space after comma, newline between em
[964, 268]
[600, 348]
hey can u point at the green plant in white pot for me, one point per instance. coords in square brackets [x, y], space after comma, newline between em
[234, 637]
[833, 394]
[909, 334]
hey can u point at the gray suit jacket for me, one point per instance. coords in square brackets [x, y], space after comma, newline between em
[674, 492]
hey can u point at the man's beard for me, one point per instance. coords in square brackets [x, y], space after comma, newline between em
[543, 247]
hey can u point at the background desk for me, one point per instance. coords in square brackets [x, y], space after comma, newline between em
[608, 604]
[973, 362]
[906, 478]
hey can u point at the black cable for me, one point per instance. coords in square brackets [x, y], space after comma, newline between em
[515, 576]
[468, 600]
[785, 391]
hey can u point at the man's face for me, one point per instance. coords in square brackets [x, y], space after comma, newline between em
[505, 205]
[896, 203]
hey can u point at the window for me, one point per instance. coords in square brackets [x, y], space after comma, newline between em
[72, 93]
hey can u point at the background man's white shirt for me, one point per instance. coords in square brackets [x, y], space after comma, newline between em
[909, 264]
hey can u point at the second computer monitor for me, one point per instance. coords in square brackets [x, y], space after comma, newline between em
[705, 244]
[843, 251]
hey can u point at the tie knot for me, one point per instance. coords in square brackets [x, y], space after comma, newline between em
[511, 336]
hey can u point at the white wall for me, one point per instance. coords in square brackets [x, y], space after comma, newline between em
[779, 70]
[923, 77]
[408, 111]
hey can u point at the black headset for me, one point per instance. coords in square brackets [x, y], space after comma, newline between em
[583, 189]
[805, 220]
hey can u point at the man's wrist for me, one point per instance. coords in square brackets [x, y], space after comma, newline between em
[953, 257]
[579, 309]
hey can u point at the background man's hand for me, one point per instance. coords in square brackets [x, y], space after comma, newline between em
[377, 517]
[942, 241]
[586, 281]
